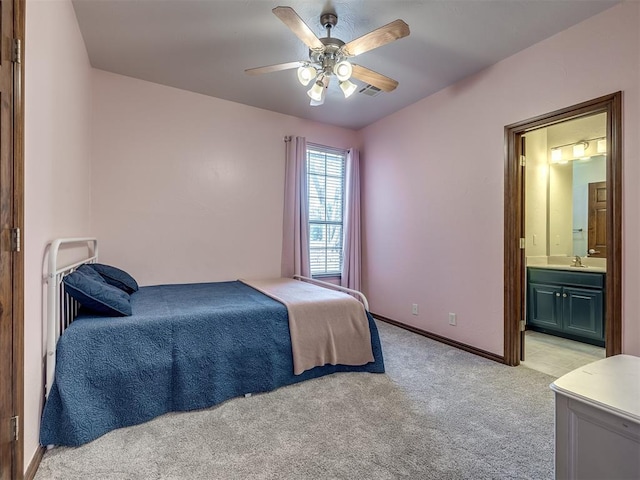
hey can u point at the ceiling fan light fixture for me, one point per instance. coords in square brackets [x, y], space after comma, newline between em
[348, 87]
[328, 56]
[343, 70]
[306, 73]
[316, 91]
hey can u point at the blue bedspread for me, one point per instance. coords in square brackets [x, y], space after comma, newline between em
[185, 347]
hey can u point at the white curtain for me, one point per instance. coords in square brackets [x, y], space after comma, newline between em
[351, 230]
[295, 238]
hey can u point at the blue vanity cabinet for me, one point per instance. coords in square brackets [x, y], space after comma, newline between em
[545, 306]
[568, 304]
[583, 313]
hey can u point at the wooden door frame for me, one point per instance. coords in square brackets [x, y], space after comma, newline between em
[514, 215]
[18, 221]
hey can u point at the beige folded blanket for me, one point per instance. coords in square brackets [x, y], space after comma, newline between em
[326, 326]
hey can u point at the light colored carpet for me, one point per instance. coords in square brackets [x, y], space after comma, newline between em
[438, 413]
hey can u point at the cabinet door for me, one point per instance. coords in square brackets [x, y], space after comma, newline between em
[545, 306]
[583, 312]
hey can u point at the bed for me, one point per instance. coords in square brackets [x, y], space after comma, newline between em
[184, 347]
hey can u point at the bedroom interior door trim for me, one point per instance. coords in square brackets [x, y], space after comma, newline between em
[12, 213]
[514, 265]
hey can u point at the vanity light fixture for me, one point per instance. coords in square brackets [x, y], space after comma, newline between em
[579, 149]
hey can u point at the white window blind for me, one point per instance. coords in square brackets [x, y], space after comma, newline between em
[325, 180]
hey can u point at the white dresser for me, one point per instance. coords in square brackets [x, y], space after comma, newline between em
[598, 420]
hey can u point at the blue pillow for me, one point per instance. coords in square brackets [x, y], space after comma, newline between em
[116, 277]
[99, 297]
[91, 273]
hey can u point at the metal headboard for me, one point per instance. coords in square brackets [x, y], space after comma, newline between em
[61, 308]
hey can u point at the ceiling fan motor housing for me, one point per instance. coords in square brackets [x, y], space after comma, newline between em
[328, 20]
[330, 56]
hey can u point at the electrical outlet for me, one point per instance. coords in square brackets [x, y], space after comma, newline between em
[452, 319]
[414, 309]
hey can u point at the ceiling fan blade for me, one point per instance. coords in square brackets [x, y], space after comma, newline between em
[291, 19]
[381, 36]
[376, 79]
[273, 68]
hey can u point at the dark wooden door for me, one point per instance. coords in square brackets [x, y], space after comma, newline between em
[7, 407]
[597, 238]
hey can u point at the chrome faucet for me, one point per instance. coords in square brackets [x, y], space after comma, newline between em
[577, 261]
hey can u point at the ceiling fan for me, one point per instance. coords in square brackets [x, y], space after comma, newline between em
[330, 56]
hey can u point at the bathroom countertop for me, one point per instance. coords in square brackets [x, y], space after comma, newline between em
[586, 269]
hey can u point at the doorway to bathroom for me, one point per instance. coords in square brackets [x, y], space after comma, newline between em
[562, 200]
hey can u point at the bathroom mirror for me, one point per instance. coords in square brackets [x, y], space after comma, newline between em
[566, 171]
[569, 186]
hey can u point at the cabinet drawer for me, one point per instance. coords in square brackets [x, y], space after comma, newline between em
[578, 279]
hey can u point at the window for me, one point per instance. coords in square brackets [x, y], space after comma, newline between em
[325, 180]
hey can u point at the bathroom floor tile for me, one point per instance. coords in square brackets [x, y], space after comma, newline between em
[557, 356]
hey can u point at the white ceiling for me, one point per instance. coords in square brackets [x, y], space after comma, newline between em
[204, 46]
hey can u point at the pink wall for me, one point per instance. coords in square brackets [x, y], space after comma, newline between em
[189, 188]
[57, 170]
[436, 235]
[181, 187]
